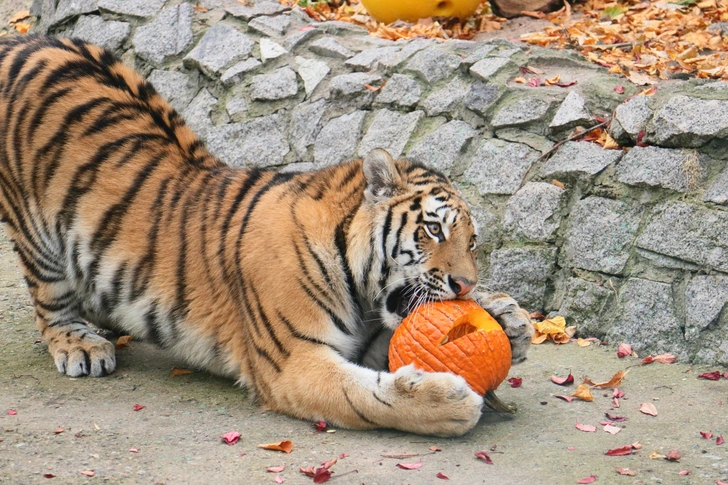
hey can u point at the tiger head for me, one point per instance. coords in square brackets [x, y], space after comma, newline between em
[424, 238]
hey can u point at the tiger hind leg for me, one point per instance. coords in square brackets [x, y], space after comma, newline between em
[76, 349]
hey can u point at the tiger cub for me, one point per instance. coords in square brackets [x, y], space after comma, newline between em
[290, 283]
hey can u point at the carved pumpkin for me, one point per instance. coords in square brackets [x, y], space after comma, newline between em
[455, 336]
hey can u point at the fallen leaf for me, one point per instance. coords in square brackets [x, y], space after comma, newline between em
[582, 392]
[552, 328]
[484, 456]
[563, 381]
[621, 451]
[328, 464]
[615, 418]
[673, 455]
[637, 445]
[665, 358]
[88, 473]
[520, 80]
[372, 88]
[565, 398]
[410, 466]
[585, 427]
[706, 434]
[58, 431]
[711, 376]
[648, 408]
[442, 476]
[624, 350]
[655, 455]
[611, 429]
[180, 372]
[275, 469]
[534, 82]
[138, 407]
[720, 482]
[322, 475]
[683, 473]
[553, 80]
[719, 440]
[625, 471]
[22, 27]
[619, 89]
[12, 412]
[199, 8]
[231, 437]
[582, 343]
[284, 446]
[21, 15]
[123, 341]
[279, 479]
[558, 184]
[344, 455]
[615, 381]
[48, 475]
[515, 381]
[133, 450]
[590, 479]
[320, 426]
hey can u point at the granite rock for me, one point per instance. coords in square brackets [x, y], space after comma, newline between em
[444, 146]
[197, 113]
[400, 90]
[177, 88]
[433, 64]
[304, 126]
[390, 130]
[367, 59]
[523, 273]
[706, 297]
[448, 100]
[260, 142]
[270, 50]
[67, 9]
[108, 34]
[220, 47]
[630, 118]
[260, 7]
[579, 160]
[685, 121]
[487, 68]
[236, 73]
[532, 214]
[168, 35]
[521, 112]
[312, 72]
[330, 47]
[498, 167]
[680, 170]
[718, 192]
[481, 96]
[572, 112]
[270, 26]
[277, 85]
[338, 139]
[584, 305]
[135, 8]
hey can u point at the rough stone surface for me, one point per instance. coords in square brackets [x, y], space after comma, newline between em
[393, 60]
[579, 160]
[176, 87]
[330, 47]
[236, 108]
[353, 84]
[571, 113]
[600, 234]
[338, 139]
[271, 26]
[688, 232]
[220, 47]
[433, 64]
[400, 90]
[479, 54]
[685, 121]
[448, 100]
[168, 35]
[498, 167]
[197, 113]
[485, 69]
[648, 320]
[247, 12]
[292, 41]
[135, 8]
[238, 71]
[444, 146]
[280, 84]
[312, 72]
[366, 60]
[718, 192]
[522, 273]
[481, 96]
[67, 9]
[109, 34]
[680, 170]
[270, 50]
[260, 142]
[532, 214]
[706, 296]
[522, 112]
[304, 126]
[583, 305]
[390, 130]
[630, 118]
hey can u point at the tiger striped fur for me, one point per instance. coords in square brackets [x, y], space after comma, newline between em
[290, 283]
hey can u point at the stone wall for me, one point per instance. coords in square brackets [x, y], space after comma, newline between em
[628, 244]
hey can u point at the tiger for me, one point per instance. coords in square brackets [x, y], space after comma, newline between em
[290, 283]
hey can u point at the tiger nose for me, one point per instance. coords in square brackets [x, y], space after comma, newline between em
[461, 286]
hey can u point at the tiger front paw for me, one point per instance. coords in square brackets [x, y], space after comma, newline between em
[78, 351]
[515, 321]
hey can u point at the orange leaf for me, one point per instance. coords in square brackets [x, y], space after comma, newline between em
[123, 341]
[22, 15]
[648, 408]
[180, 372]
[22, 27]
[558, 184]
[582, 392]
[284, 446]
[615, 381]
[582, 343]
[199, 8]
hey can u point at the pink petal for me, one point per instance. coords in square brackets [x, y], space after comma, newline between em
[585, 427]
[648, 408]
[484, 456]
[612, 429]
[279, 479]
[683, 473]
[442, 476]
[719, 440]
[133, 450]
[624, 350]
[621, 451]
[231, 438]
[590, 479]
[12, 412]
[711, 376]
[706, 434]
[410, 466]
[562, 381]
[515, 381]
[138, 407]
[276, 469]
[565, 398]
[665, 358]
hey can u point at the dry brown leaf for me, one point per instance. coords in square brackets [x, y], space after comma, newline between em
[582, 392]
[199, 8]
[22, 27]
[582, 343]
[284, 446]
[648, 408]
[180, 372]
[558, 184]
[22, 15]
[615, 381]
[123, 341]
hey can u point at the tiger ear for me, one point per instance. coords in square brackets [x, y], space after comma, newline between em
[380, 171]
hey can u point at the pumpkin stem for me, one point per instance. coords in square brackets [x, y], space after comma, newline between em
[492, 401]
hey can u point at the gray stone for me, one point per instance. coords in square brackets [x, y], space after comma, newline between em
[270, 50]
[260, 142]
[304, 34]
[341, 27]
[481, 96]
[279, 84]
[271, 26]
[600, 235]
[706, 297]
[236, 108]
[109, 34]
[521, 112]
[166, 36]
[571, 113]
[583, 305]
[299, 167]
[689, 122]
[390, 130]
[444, 146]
[433, 64]
[136, 8]
[67, 9]
[630, 118]
[220, 47]
[353, 84]
[330, 47]
[177, 88]
[312, 72]
[579, 160]
[718, 192]
[523, 274]
[367, 59]
[447, 100]
[393, 60]
[690, 233]
[488, 225]
[338, 139]
[647, 319]
[487, 68]
[498, 167]
[235, 74]
[479, 54]
[247, 12]
[532, 214]
[400, 90]
[680, 170]
[197, 113]
[305, 124]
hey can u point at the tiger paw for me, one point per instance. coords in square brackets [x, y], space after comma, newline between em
[515, 321]
[78, 351]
